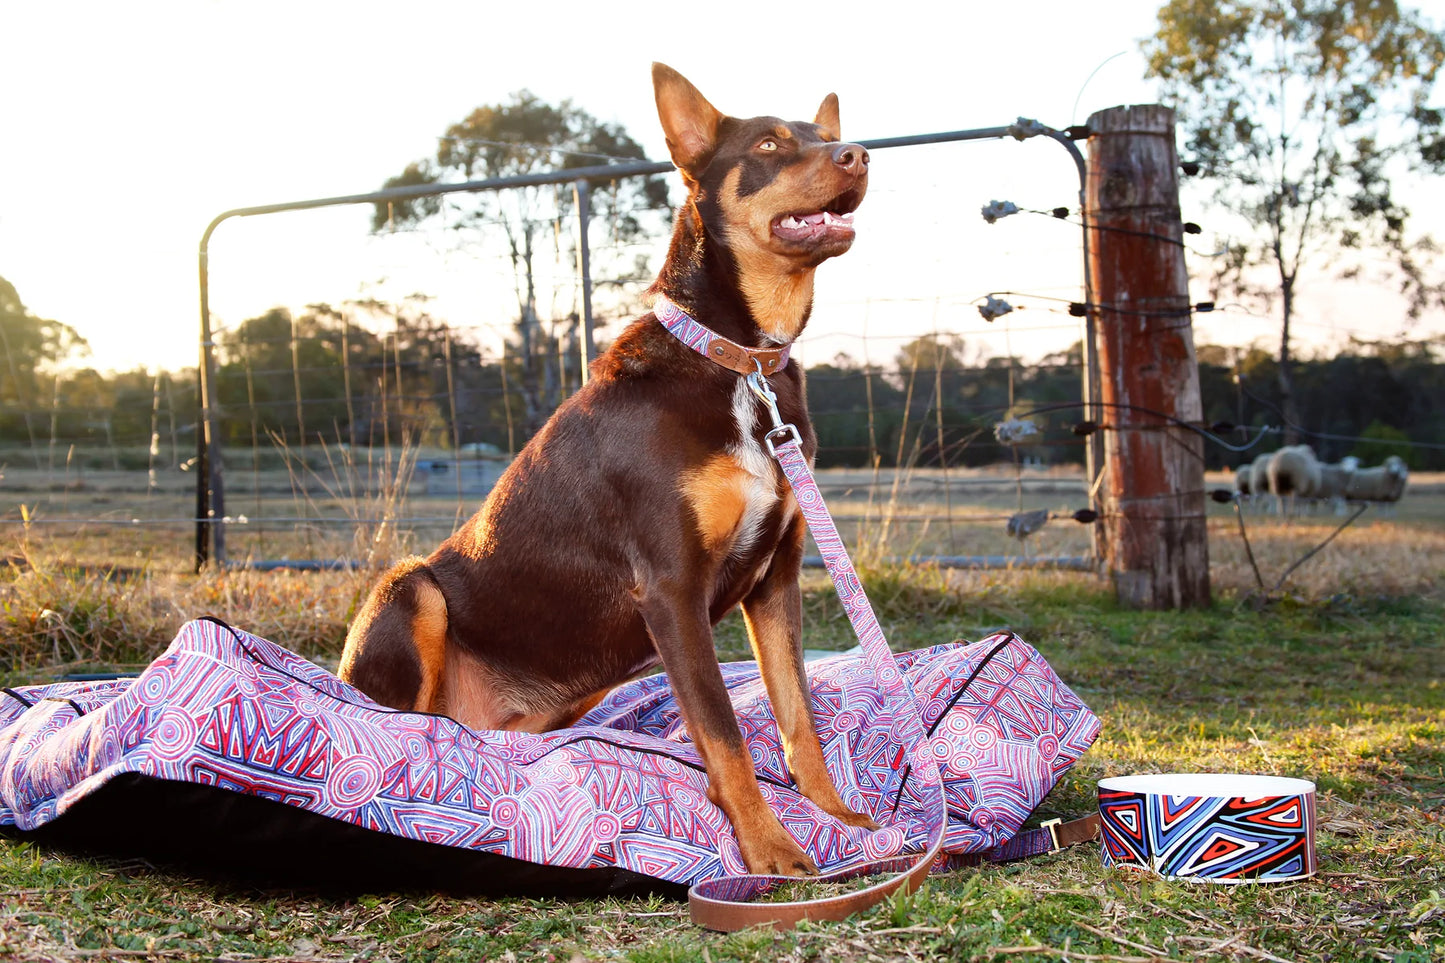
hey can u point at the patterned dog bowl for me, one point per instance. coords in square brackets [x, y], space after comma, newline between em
[1210, 827]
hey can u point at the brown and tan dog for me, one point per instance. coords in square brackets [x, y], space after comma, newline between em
[647, 508]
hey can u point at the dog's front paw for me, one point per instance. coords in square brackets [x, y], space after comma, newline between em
[861, 820]
[836, 808]
[778, 856]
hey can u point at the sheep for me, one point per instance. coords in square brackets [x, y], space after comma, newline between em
[1334, 479]
[1241, 480]
[1385, 483]
[1294, 470]
[1294, 473]
[1259, 478]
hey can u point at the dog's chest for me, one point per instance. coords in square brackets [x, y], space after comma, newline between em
[759, 472]
[734, 493]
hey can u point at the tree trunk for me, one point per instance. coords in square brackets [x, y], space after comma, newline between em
[1154, 469]
[1288, 407]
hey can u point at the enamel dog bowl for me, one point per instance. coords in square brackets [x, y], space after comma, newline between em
[1210, 827]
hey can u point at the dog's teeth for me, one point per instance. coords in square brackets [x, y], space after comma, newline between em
[794, 222]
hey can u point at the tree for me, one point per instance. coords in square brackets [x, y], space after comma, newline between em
[324, 375]
[854, 410]
[518, 137]
[1395, 402]
[287, 373]
[1304, 114]
[30, 344]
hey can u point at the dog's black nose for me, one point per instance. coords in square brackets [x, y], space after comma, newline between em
[851, 157]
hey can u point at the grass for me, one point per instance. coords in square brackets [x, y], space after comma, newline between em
[1337, 678]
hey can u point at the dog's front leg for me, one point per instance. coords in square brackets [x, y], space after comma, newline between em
[773, 612]
[677, 619]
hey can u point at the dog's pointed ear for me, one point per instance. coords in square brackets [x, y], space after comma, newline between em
[828, 118]
[689, 122]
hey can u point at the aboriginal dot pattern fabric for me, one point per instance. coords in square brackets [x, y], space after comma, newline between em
[623, 788]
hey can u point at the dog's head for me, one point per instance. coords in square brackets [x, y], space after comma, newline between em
[778, 194]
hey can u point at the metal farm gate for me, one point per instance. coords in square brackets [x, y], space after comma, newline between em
[213, 519]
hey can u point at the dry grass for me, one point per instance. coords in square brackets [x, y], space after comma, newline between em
[58, 617]
[115, 594]
[1379, 557]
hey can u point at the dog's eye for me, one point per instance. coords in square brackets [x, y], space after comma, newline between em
[768, 144]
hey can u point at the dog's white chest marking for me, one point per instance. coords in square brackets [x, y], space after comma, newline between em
[761, 492]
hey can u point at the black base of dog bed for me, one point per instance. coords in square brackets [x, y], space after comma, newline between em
[220, 835]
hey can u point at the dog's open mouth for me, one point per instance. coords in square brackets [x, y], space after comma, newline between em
[833, 222]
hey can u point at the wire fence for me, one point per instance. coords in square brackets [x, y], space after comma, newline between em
[358, 417]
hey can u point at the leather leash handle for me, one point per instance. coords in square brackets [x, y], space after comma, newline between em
[726, 912]
[729, 911]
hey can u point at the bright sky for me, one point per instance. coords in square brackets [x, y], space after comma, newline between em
[128, 126]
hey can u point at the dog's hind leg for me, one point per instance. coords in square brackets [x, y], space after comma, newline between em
[774, 615]
[396, 648]
[476, 695]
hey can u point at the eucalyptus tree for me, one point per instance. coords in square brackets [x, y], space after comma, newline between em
[522, 136]
[30, 345]
[1306, 117]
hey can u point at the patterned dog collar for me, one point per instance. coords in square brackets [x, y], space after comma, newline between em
[714, 346]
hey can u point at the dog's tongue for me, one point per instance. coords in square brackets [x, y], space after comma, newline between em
[807, 227]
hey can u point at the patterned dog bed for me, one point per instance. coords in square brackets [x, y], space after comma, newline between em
[236, 756]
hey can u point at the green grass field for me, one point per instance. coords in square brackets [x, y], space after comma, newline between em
[1339, 678]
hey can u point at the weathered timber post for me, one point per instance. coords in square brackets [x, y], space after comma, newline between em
[1155, 534]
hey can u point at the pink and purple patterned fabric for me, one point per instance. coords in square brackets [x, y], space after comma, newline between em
[624, 788]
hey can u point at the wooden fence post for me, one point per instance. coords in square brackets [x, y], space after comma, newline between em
[1153, 499]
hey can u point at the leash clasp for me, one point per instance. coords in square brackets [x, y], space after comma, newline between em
[763, 390]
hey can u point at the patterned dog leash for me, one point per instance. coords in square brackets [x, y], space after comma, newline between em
[729, 903]
[723, 904]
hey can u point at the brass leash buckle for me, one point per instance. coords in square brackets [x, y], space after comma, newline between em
[1052, 825]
